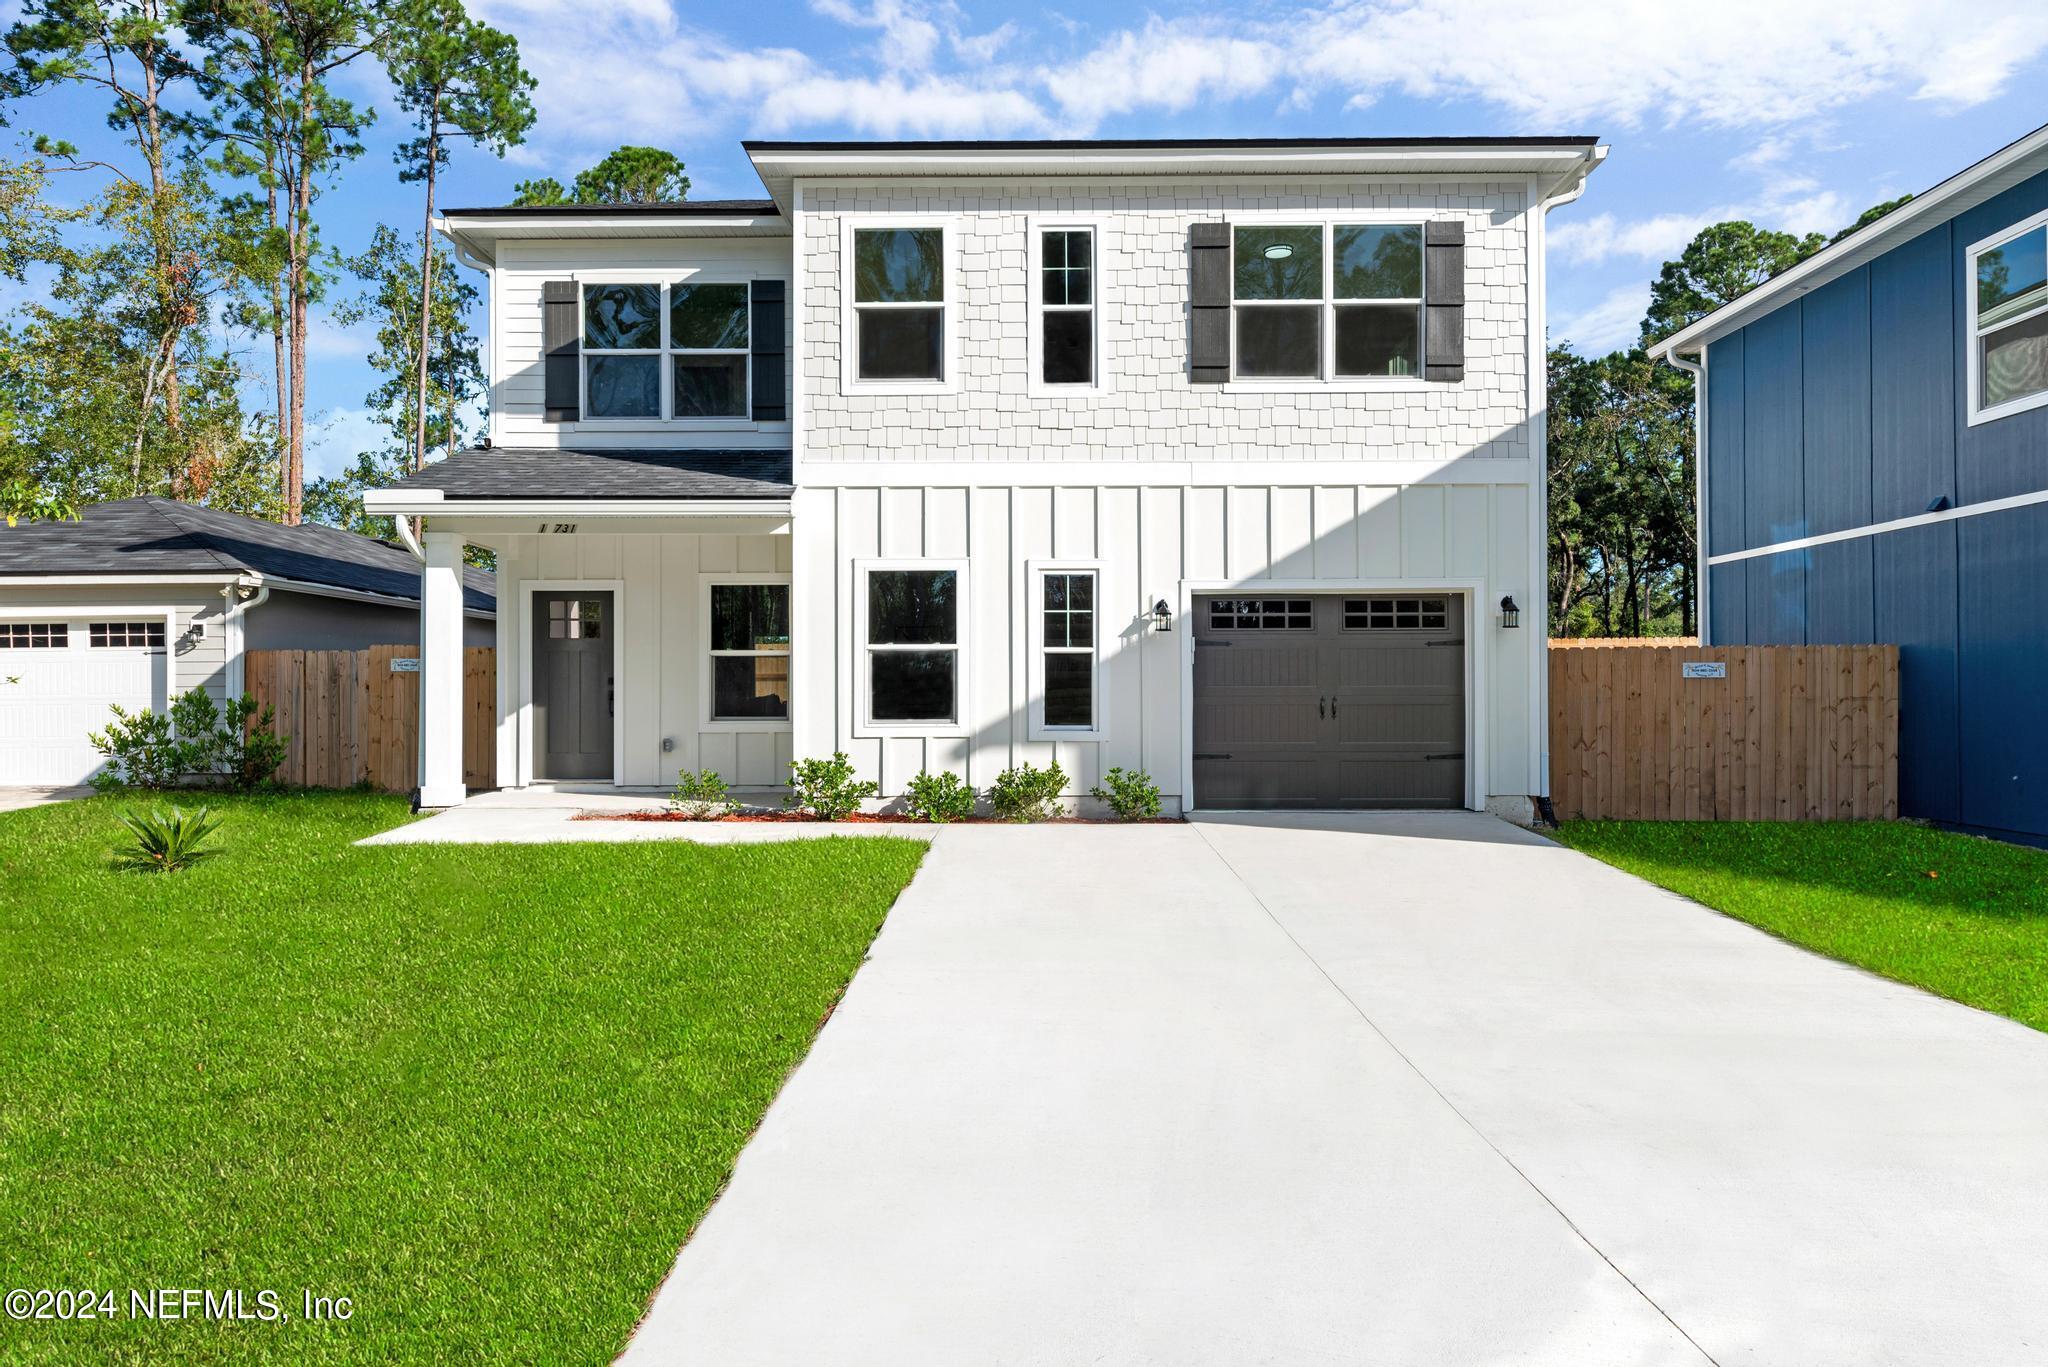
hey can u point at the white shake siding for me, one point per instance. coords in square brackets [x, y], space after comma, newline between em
[663, 643]
[517, 412]
[1149, 539]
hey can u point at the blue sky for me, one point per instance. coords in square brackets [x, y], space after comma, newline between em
[1791, 114]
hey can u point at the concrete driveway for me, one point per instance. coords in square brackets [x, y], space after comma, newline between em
[1398, 1089]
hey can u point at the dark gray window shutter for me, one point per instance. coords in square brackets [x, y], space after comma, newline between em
[771, 353]
[1208, 302]
[561, 345]
[1443, 300]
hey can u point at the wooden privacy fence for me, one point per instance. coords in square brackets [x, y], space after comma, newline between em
[1724, 733]
[352, 718]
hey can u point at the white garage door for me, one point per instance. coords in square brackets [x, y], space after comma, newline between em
[58, 679]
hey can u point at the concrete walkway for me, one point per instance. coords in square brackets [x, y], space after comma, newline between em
[14, 799]
[1396, 1089]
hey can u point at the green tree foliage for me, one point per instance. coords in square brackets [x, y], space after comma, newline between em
[1723, 262]
[1621, 459]
[631, 175]
[459, 80]
[272, 76]
[1870, 216]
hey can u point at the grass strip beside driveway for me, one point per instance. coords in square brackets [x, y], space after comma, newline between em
[482, 1091]
[1957, 915]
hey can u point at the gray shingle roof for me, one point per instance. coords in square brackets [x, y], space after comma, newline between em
[548, 472]
[146, 537]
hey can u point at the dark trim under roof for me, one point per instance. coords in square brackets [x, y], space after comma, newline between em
[1161, 144]
[682, 208]
[553, 473]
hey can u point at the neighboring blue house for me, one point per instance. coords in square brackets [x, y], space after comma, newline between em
[1875, 468]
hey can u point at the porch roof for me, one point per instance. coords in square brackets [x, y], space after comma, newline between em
[568, 474]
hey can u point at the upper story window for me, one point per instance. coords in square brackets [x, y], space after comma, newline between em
[2009, 321]
[899, 303]
[1067, 303]
[1322, 301]
[644, 360]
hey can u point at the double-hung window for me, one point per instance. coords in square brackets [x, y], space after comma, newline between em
[913, 642]
[899, 304]
[2009, 321]
[749, 652]
[1327, 301]
[1065, 673]
[655, 352]
[1067, 304]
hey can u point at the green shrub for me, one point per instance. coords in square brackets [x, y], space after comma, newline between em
[165, 842]
[1027, 793]
[196, 742]
[943, 796]
[701, 796]
[825, 787]
[1130, 793]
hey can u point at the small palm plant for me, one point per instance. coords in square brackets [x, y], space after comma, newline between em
[165, 842]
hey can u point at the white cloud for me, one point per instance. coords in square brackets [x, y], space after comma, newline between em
[1613, 322]
[1565, 66]
[335, 438]
[1792, 204]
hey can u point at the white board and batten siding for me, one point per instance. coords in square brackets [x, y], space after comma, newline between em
[1149, 540]
[663, 641]
[517, 412]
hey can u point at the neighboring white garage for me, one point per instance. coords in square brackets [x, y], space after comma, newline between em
[144, 599]
[60, 679]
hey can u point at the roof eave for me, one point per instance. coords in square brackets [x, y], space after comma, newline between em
[1959, 193]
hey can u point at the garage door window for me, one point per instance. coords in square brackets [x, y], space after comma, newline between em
[35, 635]
[1260, 614]
[913, 645]
[1396, 614]
[149, 635]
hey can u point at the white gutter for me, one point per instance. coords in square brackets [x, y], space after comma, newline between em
[404, 525]
[231, 627]
[1698, 371]
[419, 502]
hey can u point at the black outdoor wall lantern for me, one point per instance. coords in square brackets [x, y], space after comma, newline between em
[1162, 616]
[1510, 615]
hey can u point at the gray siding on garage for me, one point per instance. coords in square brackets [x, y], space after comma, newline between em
[200, 649]
[310, 621]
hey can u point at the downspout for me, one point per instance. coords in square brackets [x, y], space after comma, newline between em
[231, 622]
[1540, 455]
[1698, 371]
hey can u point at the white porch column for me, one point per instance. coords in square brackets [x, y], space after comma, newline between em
[441, 671]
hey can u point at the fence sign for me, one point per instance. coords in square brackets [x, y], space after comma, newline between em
[1691, 669]
[410, 664]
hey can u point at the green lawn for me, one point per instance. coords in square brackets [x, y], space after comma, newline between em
[483, 1091]
[1964, 917]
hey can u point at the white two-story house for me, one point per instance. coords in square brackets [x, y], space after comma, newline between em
[1219, 460]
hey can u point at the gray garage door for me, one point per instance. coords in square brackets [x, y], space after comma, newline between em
[1330, 701]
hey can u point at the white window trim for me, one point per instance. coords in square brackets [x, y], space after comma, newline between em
[667, 277]
[850, 382]
[1033, 618]
[963, 691]
[1036, 226]
[706, 720]
[1973, 350]
[1326, 379]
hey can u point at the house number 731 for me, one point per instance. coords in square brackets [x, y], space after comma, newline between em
[558, 526]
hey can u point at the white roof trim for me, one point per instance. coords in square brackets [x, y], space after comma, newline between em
[429, 502]
[1963, 191]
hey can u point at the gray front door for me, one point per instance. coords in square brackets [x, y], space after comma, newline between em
[572, 685]
[1354, 700]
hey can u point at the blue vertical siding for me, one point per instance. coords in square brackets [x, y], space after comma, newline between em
[2003, 637]
[1834, 338]
[1846, 407]
[1725, 516]
[1915, 577]
[1913, 392]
